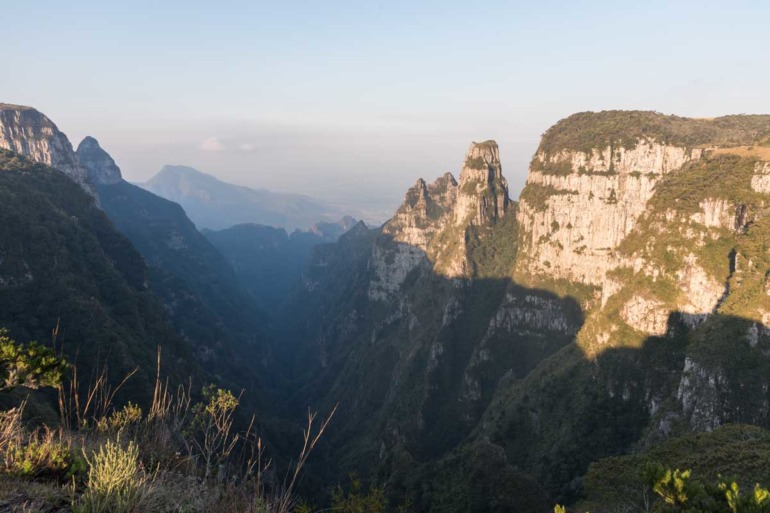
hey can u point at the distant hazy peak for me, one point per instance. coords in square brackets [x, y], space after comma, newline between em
[101, 168]
[215, 204]
[357, 229]
[179, 169]
[28, 132]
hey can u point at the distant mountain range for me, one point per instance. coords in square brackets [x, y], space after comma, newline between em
[214, 204]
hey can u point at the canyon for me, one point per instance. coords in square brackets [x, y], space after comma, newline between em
[483, 352]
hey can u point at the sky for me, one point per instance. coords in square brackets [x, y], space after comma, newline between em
[352, 101]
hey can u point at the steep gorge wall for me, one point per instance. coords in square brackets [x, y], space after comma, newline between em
[578, 206]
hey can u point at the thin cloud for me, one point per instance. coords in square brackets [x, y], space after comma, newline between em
[212, 144]
[247, 147]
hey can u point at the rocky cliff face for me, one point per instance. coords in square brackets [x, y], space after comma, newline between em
[657, 226]
[100, 167]
[618, 303]
[579, 205]
[28, 132]
[482, 198]
[434, 218]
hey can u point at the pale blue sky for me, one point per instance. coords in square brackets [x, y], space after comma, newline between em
[353, 101]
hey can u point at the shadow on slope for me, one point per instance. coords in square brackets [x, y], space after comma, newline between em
[447, 384]
[414, 364]
[571, 411]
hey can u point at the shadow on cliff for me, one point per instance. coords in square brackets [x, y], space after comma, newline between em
[439, 370]
[570, 411]
[413, 366]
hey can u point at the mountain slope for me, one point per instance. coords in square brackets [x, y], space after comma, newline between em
[62, 262]
[215, 205]
[648, 231]
[198, 287]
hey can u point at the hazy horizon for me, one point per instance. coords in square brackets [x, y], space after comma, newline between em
[351, 102]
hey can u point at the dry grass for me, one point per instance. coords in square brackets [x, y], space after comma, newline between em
[179, 456]
[24, 495]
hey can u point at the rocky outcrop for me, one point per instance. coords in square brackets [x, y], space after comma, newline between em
[578, 206]
[435, 217]
[427, 209]
[101, 168]
[482, 198]
[28, 132]
[701, 292]
[647, 315]
[391, 266]
[715, 213]
[531, 313]
[699, 395]
[760, 182]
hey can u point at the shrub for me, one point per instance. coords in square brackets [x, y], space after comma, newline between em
[212, 434]
[38, 456]
[356, 500]
[28, 365]
[116, 481]
[43, 452]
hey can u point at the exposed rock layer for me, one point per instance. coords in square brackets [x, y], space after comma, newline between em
[436, 217]
[100, 167]
[28, 132]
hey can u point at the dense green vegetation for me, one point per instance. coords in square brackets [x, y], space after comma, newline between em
[66, 270]
[28, 365]
[726, 177]
[551, 168]
[586, 131]
[181, 455]
[536, 196]
[738, 453]
[492, 251]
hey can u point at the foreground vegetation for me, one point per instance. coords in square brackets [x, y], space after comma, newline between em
[669, 490]
[180, 455]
